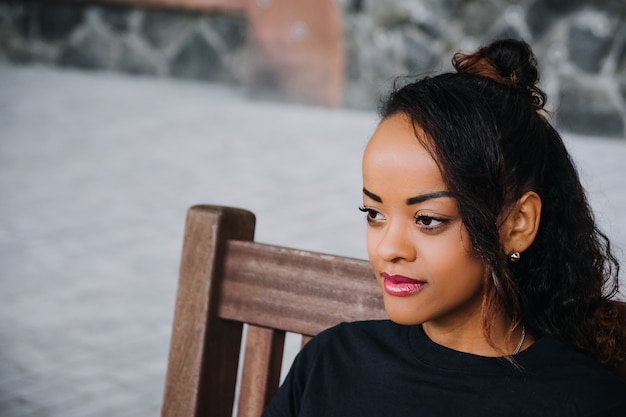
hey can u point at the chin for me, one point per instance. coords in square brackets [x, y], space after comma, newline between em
[403, 316]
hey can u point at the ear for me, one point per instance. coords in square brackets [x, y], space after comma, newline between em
[520, 226]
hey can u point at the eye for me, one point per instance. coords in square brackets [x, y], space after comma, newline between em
[428, 222]
[372, 215]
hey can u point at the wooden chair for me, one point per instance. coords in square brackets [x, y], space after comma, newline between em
[227, 280]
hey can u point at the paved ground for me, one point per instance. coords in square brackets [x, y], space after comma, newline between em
[96, 172]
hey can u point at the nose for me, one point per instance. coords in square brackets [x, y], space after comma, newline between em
[395, 244]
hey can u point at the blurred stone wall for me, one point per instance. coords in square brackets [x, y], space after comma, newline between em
[581, 45]
[123, 38]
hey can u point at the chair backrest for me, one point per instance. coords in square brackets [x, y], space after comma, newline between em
[227, 280]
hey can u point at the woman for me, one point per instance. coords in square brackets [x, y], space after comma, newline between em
[493, 272]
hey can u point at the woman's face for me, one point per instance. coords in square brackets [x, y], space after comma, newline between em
[416, 242]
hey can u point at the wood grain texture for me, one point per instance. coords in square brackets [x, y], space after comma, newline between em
[262, 364]
[227, 280]
[297, 291]
[204, 350]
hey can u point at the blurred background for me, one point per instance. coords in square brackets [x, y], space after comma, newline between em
[116, 116]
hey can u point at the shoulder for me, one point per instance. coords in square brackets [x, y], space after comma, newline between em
[353, 341]
[332, 364]
[360, 331]
[568, 374]
[550, 356]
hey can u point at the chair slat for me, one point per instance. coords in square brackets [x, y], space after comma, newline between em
[297, 291]
[204, 349]
[261, 369]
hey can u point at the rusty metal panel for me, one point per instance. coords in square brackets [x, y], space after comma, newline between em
[302, 43]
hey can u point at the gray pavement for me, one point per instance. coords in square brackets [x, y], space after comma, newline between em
[96, 173]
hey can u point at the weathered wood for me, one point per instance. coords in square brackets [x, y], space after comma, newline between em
[297, 291]
[204, 350]
[261, 370]
[226, 281]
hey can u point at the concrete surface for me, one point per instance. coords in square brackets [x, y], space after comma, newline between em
[96, 173]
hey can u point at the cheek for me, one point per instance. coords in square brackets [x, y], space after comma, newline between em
[371, 244]
[453, 257]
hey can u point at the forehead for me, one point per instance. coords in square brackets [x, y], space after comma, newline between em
[394, 153]
[396, 132]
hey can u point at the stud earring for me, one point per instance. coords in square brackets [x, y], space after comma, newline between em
[515, 256]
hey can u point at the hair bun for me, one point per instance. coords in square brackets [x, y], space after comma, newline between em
[510, 62]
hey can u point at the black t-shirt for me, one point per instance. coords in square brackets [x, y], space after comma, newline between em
[379, 368]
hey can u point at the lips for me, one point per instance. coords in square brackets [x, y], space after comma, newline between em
[401, 286]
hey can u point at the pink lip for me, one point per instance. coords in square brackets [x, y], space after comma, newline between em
[401, 286]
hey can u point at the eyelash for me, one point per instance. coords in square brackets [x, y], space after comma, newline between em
[369, 214]
[422, 221]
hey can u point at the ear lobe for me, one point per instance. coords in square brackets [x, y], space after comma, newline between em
[519, 229]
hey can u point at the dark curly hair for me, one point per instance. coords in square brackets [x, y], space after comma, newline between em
[485, 126]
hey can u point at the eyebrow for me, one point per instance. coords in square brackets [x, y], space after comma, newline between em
[413, 200]
[429, 196]
[372, 195]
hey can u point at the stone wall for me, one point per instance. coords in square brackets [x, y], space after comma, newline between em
[581, 45]
[124, 38]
